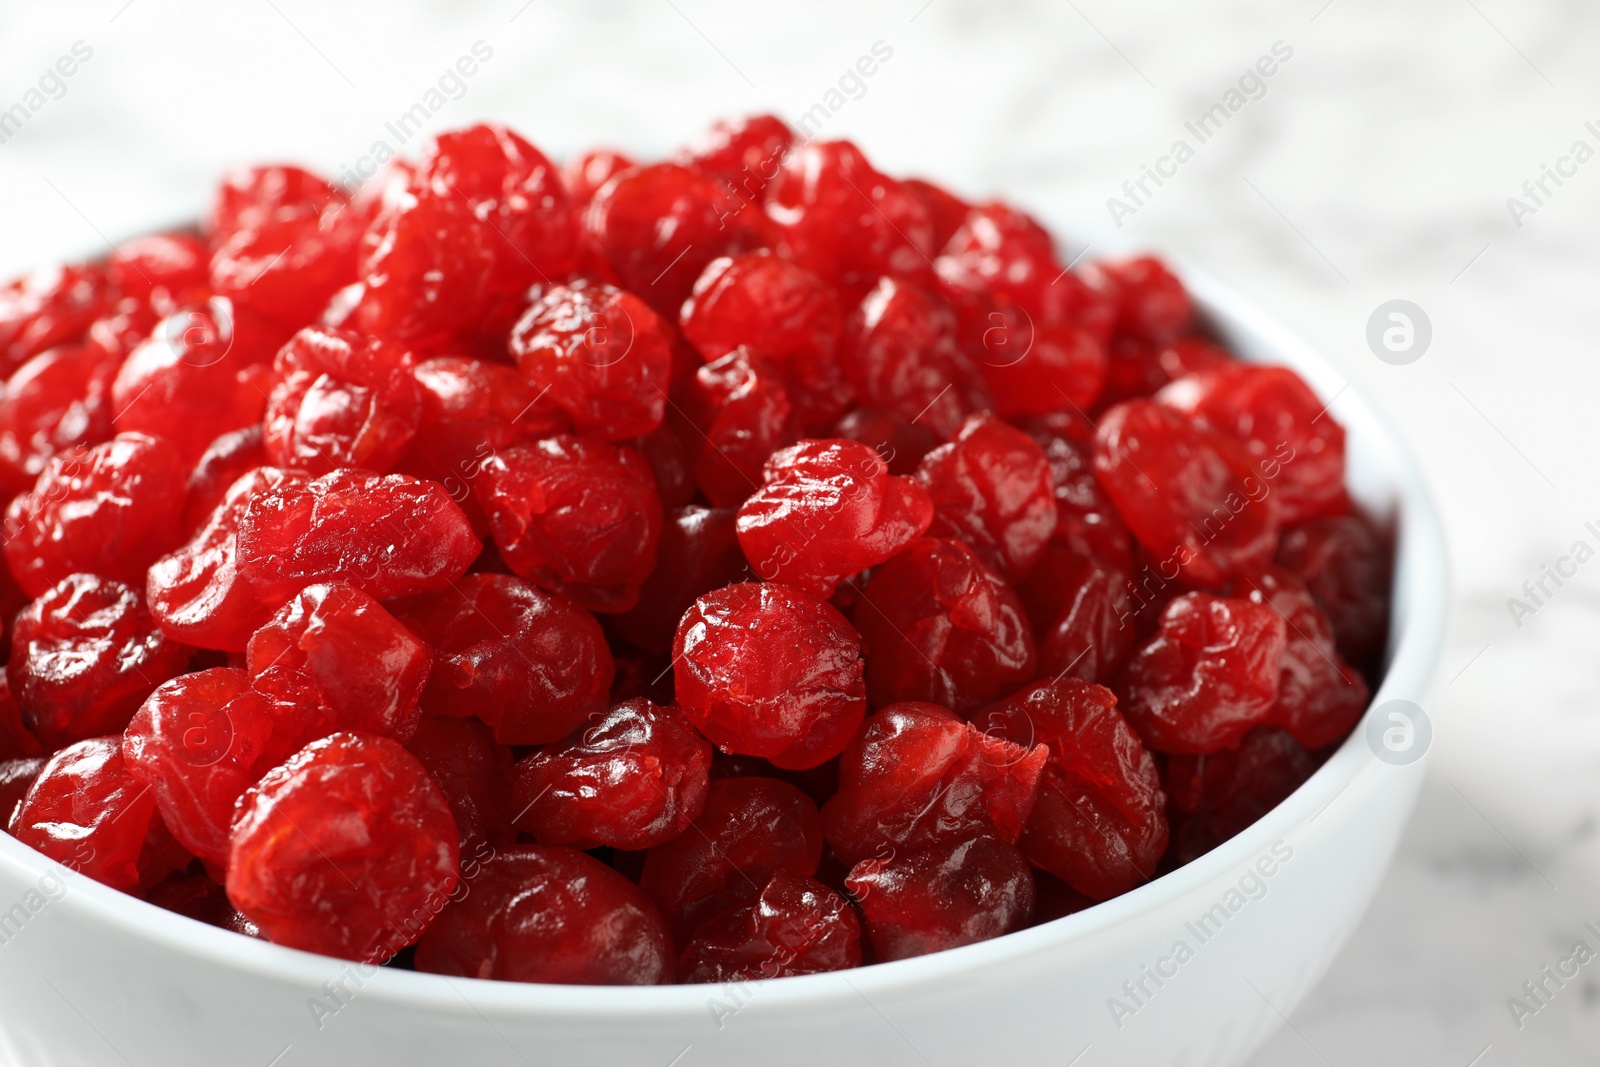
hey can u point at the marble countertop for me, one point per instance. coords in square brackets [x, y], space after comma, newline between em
[1377, 162]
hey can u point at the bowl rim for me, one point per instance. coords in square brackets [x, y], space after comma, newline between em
[1416, 648]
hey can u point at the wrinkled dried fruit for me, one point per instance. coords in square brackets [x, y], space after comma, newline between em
[531, 664]
[632, 777]
[1210, 673]
[83, 658]
[795, 926]
[828, 510]
[540, 914]
[348, 849]
[942, 897]
[916, 775]
[1099, 821]
[766, 670]
[938, 626]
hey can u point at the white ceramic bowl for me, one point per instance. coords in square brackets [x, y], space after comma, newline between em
[89, 976]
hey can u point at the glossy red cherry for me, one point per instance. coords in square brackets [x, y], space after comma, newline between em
[1210, 673]
[828, 510]
[348, 849]
[766, 670]
[83, 658]
[1099, 822]
[938, 626]
[917, 775]
[531, 664]
[942, 897]
[631, 777]
[539, 914]
[795, 926]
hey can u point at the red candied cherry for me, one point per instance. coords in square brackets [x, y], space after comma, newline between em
[584, 174]
[518, 194]
[1037, 367]
[348, 849]
[112, 511]
[577, 516]
[473, 771]
[250, 196]
[1320, 697]
[193, 380]
[287, 266]
[901, 443]
[83, 658]
[86, 812]
[1099, 822]
[531, 664]
[917, 775]
[196, 593]
[470, 408]
[1082, 615]
[783, 311]
[340, 400]
[542, 914]
[944, 896]
[828, 510]
[658, 225]
[427, 262]
[335, 646]
[387, 535]
[16, 778]
[698, 552]
[947, 210]
[630, 778]
[744, 153]
[1190, 496]
[1086, 520]
[1000, 251]
[902, 354]
[600, 353]
[161, 270]
[741, 410]
[768, 670]
[200, 740]
[1281, 423]
[227, 459]
[795, 926]
[844, 220]
[50, 307]
[1219, 795]
[749, 830]
[938, 626]
[56, 402]
[1209, 674]
[1344, 561]
[991, 488]
[1149, 301]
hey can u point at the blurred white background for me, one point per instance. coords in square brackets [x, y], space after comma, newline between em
[1377, 165]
